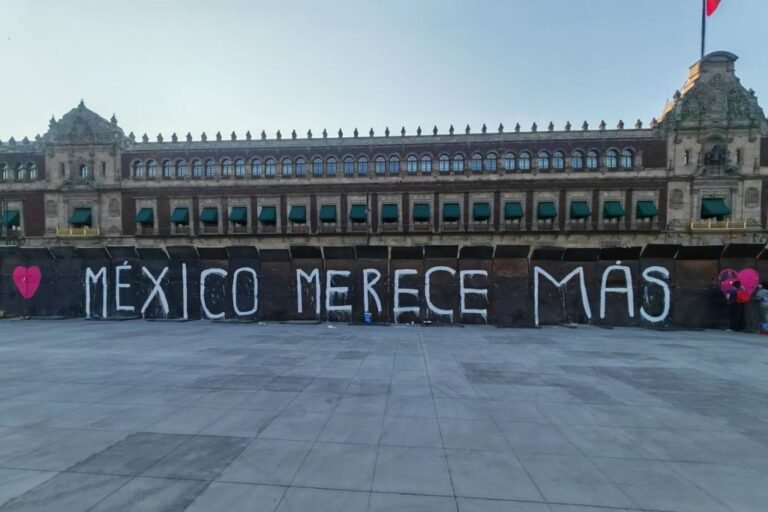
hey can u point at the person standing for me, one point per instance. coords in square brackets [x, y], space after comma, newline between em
[762, 298]
[736, 297]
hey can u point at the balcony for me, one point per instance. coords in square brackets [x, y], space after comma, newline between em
[239, 229]
[83, 232]
[719, 225]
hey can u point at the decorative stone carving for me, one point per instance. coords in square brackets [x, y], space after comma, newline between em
[676, 199]
[51, 209]
[752, 198]
[501, 128]
[114, 208]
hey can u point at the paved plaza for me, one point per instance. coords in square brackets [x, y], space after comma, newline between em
[198, 416]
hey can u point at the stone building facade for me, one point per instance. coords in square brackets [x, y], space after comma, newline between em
[696, 176]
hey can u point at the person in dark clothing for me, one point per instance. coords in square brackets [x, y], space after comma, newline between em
[735, 306]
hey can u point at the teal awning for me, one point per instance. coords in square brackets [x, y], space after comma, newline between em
[579, 210]
[714, 208]
[328, 213]
[239, 215]
[481, 211]
[358, 213]
[546, 210]
[389, 213]
[513, 210]
[613, 210]
[180, 216]
[451, 212]
[421, 212]
[298, 214]
[145, 216]
[209, 216]
[646, 210]
[81, 217]
[11, 218]
[268, 215]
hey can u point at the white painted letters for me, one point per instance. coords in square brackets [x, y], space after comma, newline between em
[537, 271]
[312, 276]
[464, 291]
[156, 290]
[647, 275]
[203, 276]
[333, 291]
[255, 278]
[427, 295]
[397, 310]
[627, 289]
[90, 277]
[119, 286]
[369, 290]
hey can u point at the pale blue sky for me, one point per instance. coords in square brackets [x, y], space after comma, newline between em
[165, 66]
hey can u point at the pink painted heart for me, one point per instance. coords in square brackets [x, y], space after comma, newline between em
[27, 280]
[749, 278]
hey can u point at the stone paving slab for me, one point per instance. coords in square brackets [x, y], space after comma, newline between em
[199, 416]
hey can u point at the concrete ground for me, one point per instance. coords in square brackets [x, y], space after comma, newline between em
[150, 416]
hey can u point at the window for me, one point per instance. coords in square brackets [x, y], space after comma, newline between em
[458, 163]
[301, 167]
[21, 172]
[509, 162]
[239, 167]
[286, 167]
[103, 169]
[426, 164]
[739, 157]
[490, 162]
[317, 166]
[612, 159]
[197, 168]
[593, 158]
[167, 169]
[85, 172]
[32, 171]
[138, 169]
[330, 166]
[3, 171]
[380, 165]
[627, 159]
[256, 168]
[411, 164]
[577, 160]
[525, 161]
[181, 169]
[394, 165]
[444, 164]
[362, 166]
[210, 169]
[687, 157]
[477, 162]
[226, 167]
[270, 167]
[558, 161]
[543, 163]
[349, 166]
[151, 169]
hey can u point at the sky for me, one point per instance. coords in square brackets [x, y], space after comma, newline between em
[236, 65]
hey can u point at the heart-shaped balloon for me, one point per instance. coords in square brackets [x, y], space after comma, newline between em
[748, 277]
[27, 280]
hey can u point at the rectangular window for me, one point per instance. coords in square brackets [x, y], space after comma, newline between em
[687, 157]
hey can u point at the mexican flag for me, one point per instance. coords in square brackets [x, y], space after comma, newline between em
[712, 6]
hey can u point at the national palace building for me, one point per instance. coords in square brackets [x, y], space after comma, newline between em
[697, 175]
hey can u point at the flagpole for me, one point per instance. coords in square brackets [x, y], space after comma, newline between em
[703, 27]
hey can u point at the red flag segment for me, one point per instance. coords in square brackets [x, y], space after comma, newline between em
[712, 6]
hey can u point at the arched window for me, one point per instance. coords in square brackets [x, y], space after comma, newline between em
[138, 169]
[510, 162]
[181, 168]
[286, 167]
[477, 163]
[226, 167]
[426, 164]
[167, 169]
[593, 160]
[151, 169]
[627, 159]
[490, 162]
[21, 173]
[444, 164]
[32, 171]
[362, 166]
[197, 168]
[301, 167]
[525, 161]
[330, 166]
[210, 169]
[380, 165]
[4, 173]
[411, 164]
[349, 166]
[270, 167]
[458, 163]
[558, 160]
[257, 170]
[317, 166]
[543, 162]
[239, 167]
[612, 159]
[577, 160]
[394, 164]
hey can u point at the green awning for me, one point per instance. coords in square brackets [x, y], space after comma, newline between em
[389, 213]
[81, 217]
[268, 215]
[421, 212]
[358, 213]
[298, 214]
[714, 208]
[451, 212]
[239, 215]
[209, 216]
[481, 211]
[10, 219]
[180, 216]
[513, 210]
[579, 210]
[646, 210]
[328, 213]
[546, 210]
[613, 210]
[145, 216]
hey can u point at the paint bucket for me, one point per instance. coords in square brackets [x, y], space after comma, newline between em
[368, 318]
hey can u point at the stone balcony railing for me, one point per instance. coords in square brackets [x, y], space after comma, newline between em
[718, 225]
[78, 232]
